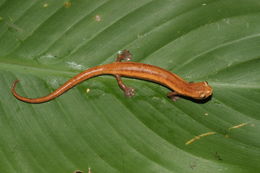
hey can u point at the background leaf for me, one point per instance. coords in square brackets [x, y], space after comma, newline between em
[44, 43]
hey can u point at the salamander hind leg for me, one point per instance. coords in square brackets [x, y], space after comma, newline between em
[129, 92]
[123, 55]
[173, 96]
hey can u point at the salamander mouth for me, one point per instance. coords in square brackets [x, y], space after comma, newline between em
[202, 95]
[205, 94]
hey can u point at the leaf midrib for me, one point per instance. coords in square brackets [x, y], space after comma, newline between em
[39, 70]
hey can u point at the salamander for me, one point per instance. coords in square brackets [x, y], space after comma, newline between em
[179, 87]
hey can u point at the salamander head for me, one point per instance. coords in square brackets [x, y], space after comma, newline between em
[201, 90]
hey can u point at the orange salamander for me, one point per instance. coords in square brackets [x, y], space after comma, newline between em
[179, 87]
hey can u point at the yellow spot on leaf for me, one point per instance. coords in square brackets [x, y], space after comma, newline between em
[45, 5]
[198, 137]
[67, 4]
[238, 126]
[87, 90]
[98, 18]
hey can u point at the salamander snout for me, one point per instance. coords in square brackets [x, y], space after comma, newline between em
[202, 90]
[205, 90]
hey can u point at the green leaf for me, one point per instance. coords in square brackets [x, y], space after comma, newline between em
[45, 43]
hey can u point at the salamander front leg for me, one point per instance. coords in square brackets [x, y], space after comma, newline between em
[123, 55]
[129, 92]
[173, 96]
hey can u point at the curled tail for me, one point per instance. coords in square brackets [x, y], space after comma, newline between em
[47, 98]
[92, 72]
[95, 71]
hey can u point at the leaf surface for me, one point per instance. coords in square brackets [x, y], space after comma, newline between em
[45, 43]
